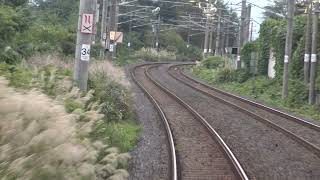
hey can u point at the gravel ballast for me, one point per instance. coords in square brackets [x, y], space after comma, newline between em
[264, 152]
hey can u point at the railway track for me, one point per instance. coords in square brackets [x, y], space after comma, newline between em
[303, 132]
[197, 150]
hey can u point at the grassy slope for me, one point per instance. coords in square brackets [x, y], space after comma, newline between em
[267, 91]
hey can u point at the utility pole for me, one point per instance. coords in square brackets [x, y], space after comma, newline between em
[227, 33]
[251, 33]
[288, 50]
[116, 20]
[157, 32]
[189, 32]
[247, 26]
[205, 48]
[313, 73]
[308, 42]
[206, 38]
[218, 47]
[211, 38]
[113, 26]
[130, 31]
[84, 40]
[103, 35]
[96, 8]
[241, 33]
[223, 40]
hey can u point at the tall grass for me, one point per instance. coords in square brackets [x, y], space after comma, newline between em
[149, 54]
[38, 139]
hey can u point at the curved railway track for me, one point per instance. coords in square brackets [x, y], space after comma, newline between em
[197, 150]
[305, 133]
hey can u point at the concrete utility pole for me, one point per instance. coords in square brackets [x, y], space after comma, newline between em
[288, 50]
[205, 48]
[96, 8]
[223, 39]
[103, 34]
[308, 42]
[113, 26]
[251, 33]
[313, 73]
[241, 33]
[206, 38]
[158, 32]
[130, 31]
[227, 33]
[247, 26]
[211, 38]
[218, 43]
[189, 32]
[84, 40]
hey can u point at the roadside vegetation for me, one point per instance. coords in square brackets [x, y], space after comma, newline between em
[252, 80]
[43, 115]
[217, 72]
[172, 47]
[97, 128]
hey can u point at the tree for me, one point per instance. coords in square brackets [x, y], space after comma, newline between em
[14, 2]
[279, 7]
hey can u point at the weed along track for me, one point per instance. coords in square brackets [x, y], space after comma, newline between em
[265, 151]
[197, 151]
[305, 133]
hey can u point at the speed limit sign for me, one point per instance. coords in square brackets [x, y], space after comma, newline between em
[85, 52]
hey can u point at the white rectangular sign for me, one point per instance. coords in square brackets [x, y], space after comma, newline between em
[85, 52]
[313, 58]
[111, 48]
[87, 24]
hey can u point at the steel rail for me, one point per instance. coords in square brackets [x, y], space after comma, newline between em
[272, 110]
[236, 164]
[174, 173]
[290, 134]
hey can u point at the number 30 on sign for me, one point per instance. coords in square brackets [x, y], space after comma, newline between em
[85, 52]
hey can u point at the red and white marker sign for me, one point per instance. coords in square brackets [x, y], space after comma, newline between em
[116, 36]
[87, 24]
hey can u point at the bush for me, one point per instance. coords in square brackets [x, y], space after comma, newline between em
[115, 99]
[10, 56]
[71, 104]
[298, 94]
[123, 134]
[228, 75]
[18, 76]
[213, 62]
[152, 55]
[225, 75]
[35, 128]
[242, 75]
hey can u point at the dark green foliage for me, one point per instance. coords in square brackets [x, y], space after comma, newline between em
[228, 75]
[71, 104]
[246, 51]
[123, 134]
[264, 45]
[213, 62]
[191, 54]
[273, 37]
[43, 28]
[279, 7]
[115, 98]
[14, 3]
[298, 94]
[297, 63]
[18, 76]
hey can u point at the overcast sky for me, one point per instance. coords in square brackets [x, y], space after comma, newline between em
[257, 13]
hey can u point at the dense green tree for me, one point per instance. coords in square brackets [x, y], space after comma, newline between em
[14, 2]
